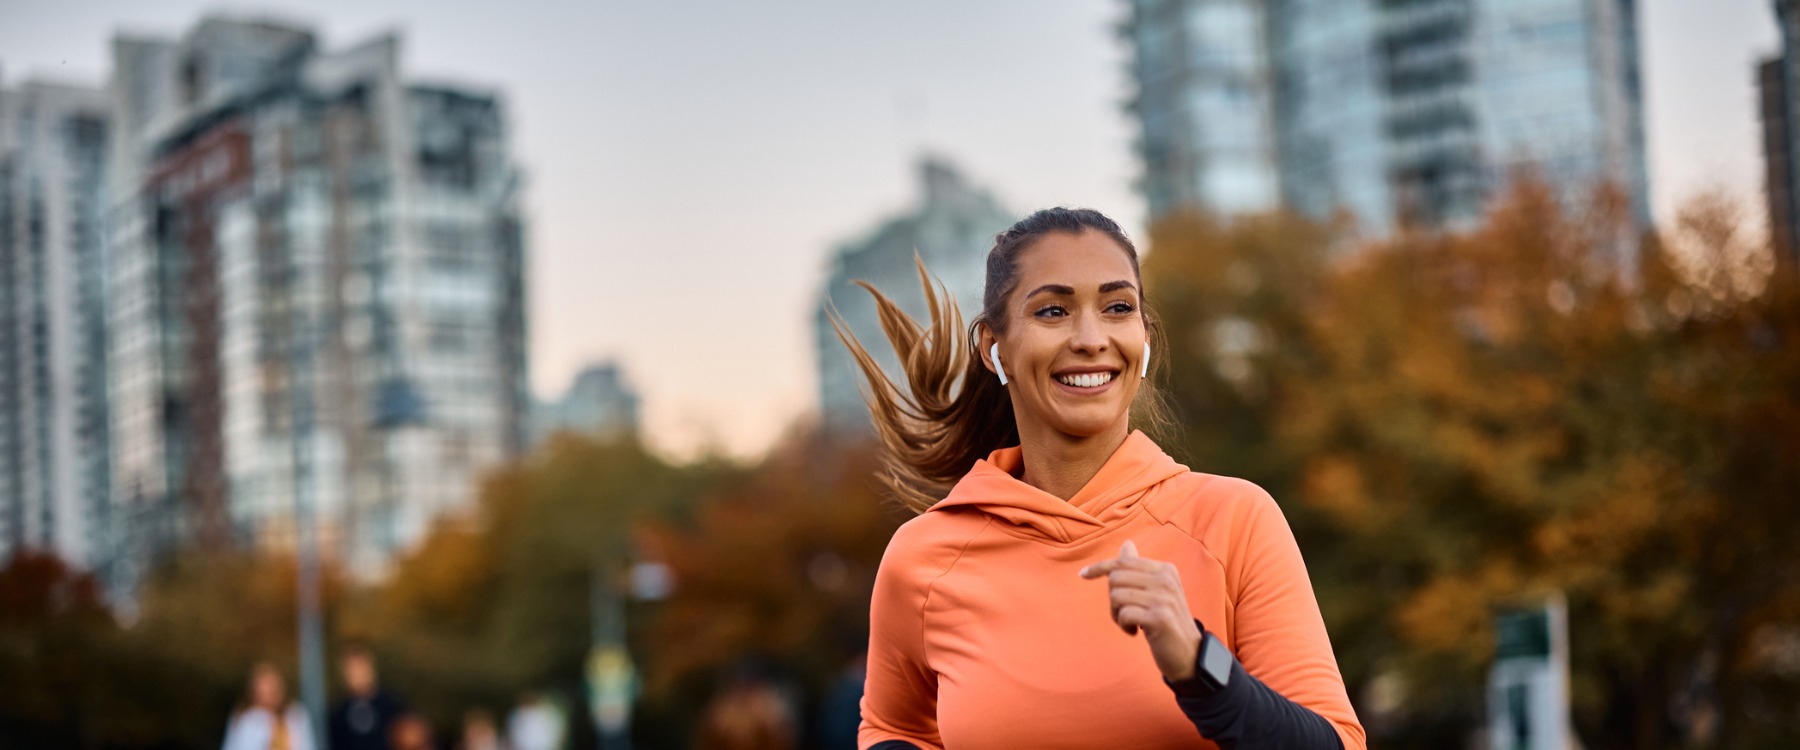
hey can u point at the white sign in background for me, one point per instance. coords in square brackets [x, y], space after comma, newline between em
[1528, 687]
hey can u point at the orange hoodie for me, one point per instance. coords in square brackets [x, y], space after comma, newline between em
[984, 636]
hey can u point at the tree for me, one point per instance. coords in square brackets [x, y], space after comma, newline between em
[1459, 421]
[498, 603]
[52, 629]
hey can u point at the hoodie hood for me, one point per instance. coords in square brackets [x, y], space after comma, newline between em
[1114, 493]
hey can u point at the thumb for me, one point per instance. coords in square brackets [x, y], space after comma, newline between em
[1127, 550]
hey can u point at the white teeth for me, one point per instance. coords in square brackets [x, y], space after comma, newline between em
[1086, 379]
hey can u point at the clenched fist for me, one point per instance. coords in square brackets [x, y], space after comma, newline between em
[1146, 596]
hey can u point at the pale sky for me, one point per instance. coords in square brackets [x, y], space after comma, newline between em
[691, 165]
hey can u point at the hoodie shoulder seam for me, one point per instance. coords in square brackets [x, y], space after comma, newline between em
[1167, 515]
[930, 586]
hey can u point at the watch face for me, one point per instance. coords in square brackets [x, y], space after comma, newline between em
[1216, 661]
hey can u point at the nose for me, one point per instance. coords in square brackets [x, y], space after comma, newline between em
[1089, 336]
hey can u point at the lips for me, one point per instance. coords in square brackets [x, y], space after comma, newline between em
[1086, 379]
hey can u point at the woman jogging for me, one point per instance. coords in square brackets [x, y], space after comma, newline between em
[1066, 583]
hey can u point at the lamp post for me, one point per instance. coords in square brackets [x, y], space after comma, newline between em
[312, 646]
[612, 678]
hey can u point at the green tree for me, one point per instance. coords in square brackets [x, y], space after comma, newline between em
[498, 602]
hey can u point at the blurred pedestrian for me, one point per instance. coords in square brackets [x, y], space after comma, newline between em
[365, 718]
[267, 721]
[536, 724]
[410, 732]
[752, 713]
[479, 732]
[840, 711]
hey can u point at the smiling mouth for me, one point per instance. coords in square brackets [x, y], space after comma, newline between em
[1086, 379]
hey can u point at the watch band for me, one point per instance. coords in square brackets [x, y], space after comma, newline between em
[1212, 669]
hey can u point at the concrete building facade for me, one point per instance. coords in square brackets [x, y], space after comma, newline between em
[317, 293]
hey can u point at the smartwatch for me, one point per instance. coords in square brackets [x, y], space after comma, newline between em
[1212, 669]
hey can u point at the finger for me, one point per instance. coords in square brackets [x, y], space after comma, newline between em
[1132, 618]
[1119, 599]
[1127, 556]
[1107, 566]
[1159, 606]
[1122, 598]
[1104, 567]
[1159, 574]
[1099, 569]
[1136, 579]
[1152, 622]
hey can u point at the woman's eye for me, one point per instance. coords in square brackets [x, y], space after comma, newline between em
[1053, 311]
[1122, 308]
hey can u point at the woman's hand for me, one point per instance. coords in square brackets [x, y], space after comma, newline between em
[1146, 595]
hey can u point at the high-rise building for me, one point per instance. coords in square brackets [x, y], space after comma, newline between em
[1778, 90]
[951, 229]
[317, 292]
[53, 417]
[1778, 157]
[600, 403]
[1204, 105]
[1397, 112]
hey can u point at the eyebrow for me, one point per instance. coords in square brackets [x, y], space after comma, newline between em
[1062, 289]
[1066, 290]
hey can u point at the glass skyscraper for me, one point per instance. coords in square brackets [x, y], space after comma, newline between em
[1204, 105]
[1396, 111]
[1778, 89]
[53, 414]
[317, 293]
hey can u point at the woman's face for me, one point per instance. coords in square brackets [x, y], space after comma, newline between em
[1074, 337]
[266, 689]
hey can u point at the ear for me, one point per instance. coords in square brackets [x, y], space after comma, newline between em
[984, 340]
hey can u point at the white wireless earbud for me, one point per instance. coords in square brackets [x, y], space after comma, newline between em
[994, 352]
[1144, 372]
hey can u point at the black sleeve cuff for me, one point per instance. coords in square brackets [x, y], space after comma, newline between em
[1246, 713]
[1195, 688]
[1197, 685]
[893, 745]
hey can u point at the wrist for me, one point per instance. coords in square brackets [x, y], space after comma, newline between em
[1208, 673]
[1183, 670]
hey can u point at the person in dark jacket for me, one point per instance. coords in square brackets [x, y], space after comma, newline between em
[363, 720]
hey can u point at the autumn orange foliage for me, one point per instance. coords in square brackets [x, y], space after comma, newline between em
[1457, 422]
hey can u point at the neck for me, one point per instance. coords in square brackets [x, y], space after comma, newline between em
[1062, 464]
